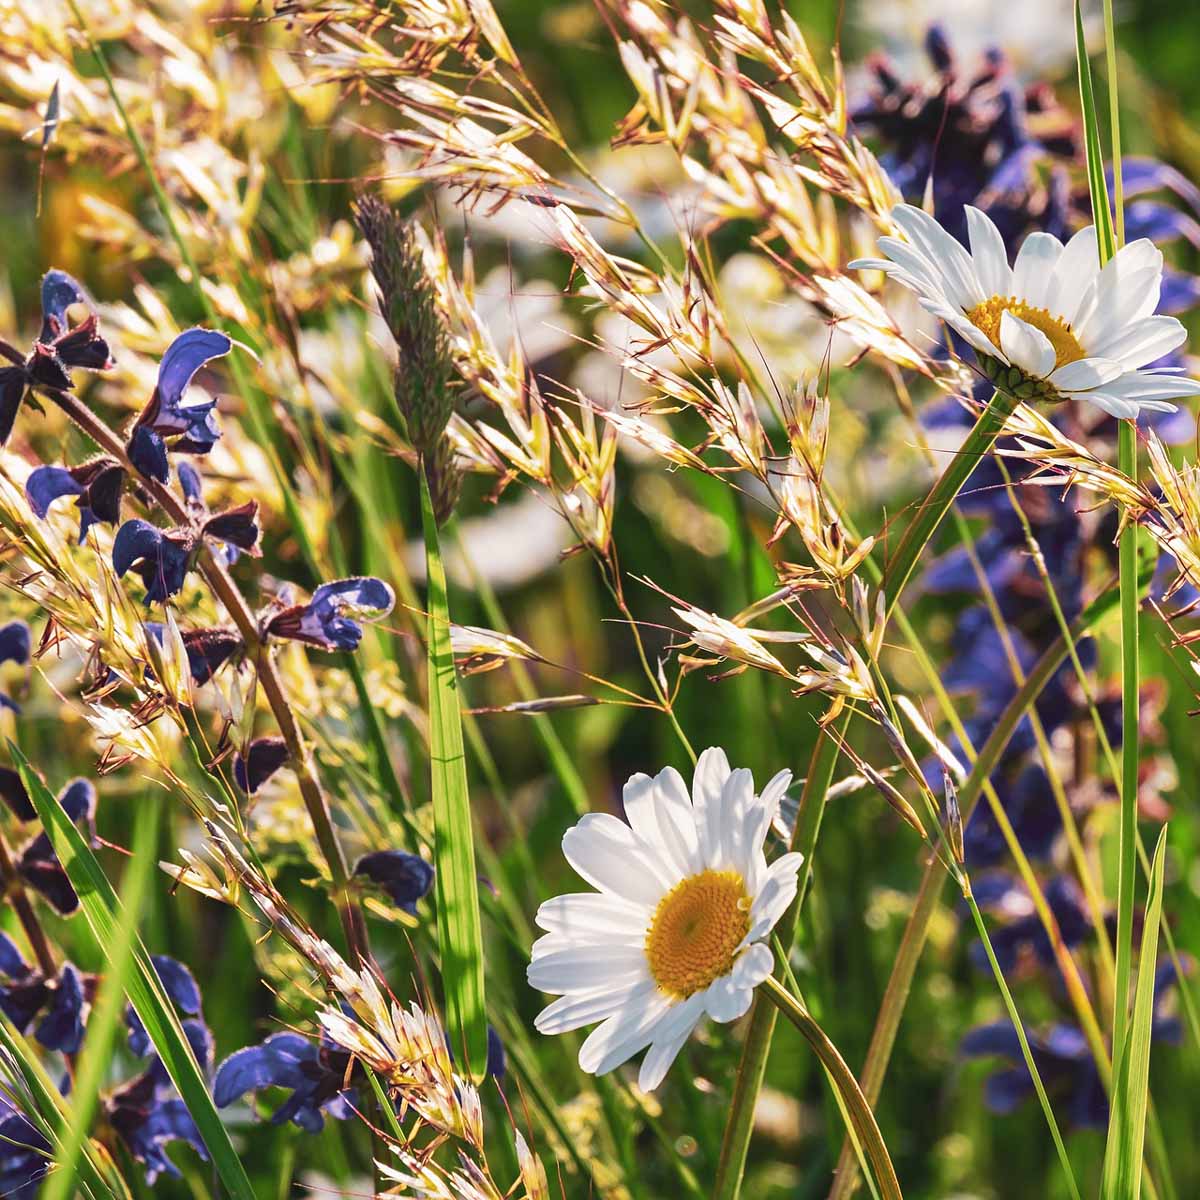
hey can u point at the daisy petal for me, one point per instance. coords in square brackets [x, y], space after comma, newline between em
[712, 769]
[1026, 347]
[1143, 342]
[753, 966]
[954, 264]
[725, 1000]
[660, 813]
[989, 254]
[621, 1036]
[669, 1042]
[1075, 272]
[1086, 373]
[607, 853]
[576, 1009]
[1036, 260]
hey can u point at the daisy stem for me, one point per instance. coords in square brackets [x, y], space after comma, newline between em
[761, 1027]
[1127, 460]
[943, 494]
[843, 1080]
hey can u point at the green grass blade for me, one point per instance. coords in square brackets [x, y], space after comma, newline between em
[842, 1079]
[1131, 1091]
[46, 1109]
[460, 934]
[105, 918]
[1101, 212]
[105, 1019]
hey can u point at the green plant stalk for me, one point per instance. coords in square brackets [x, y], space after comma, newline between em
[1026, 1052]
[460, 933]
[1122, 1179]
[760, 1028]
[844, 1082]
[943, 494]
[102, 1025]
[1127, 876]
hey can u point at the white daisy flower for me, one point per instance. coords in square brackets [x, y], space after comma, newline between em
[677, 928]
[1053, 326]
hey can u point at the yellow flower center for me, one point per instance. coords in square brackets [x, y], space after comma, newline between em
[696, 928]
[986, 318]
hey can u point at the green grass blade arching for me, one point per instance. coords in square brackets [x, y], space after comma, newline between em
[842, 1079]
[1131, 1085]
[105, 1019]
[143, 986]
[460, 934]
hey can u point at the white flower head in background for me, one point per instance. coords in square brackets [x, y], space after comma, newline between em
[1053, 326]
[677, 928]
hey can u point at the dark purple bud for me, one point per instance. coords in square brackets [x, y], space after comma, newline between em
[937, 46]
[191, 485]
[62, 1026]
[12, 961]
[180, 985]
[68, 346]
[147, 1116]
[404, 877]
[208, 650]
[38, 864]
[59, 293]
[13, 793]
[13, 382]
[97, 486]
[192, 427]
[15, 642]
[316, 1075]
[161, 558]
[47, 484]
[236, 526]
[148, 452]
[263, 757]
[321, 622]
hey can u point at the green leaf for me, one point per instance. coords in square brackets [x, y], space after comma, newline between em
[102, 1026]
[105, 918]
[1131, 1090]
[460, 936]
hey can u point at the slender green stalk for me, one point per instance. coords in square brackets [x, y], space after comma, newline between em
[1026, 1052]
[943, 494]
[460, 935]
[1129, 751]
[847, 1087]
[1131, 1095]
[761, 1026]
